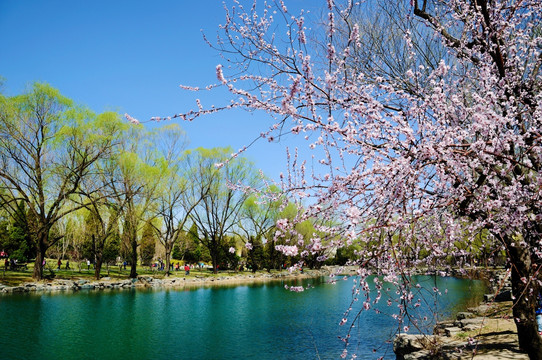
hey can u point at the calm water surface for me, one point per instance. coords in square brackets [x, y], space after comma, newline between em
[260, 321]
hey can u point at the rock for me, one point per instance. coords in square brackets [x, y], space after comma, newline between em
[464, 315]
[405, 344]
[65, 283]
[419, 355]
[452, 331]
[480, 310]
[20, 289]
[505, 295]
[471, 327]
[466, 322]
[440, 327]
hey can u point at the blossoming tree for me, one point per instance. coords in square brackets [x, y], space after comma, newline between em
[407, 169]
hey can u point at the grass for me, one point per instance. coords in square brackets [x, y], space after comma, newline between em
[19, 277]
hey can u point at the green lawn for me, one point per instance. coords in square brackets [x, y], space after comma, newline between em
[80, 271]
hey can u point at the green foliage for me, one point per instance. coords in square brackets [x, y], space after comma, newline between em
[176, 253]
[4, 233]
[255, 257]
[112, 247]
[227, 259]
[273, 259]
[88, 245]
[16, 238]
[147, 247]
[345, 254]
[125, 251]
[193, 250]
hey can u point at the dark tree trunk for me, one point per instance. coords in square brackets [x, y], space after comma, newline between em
[525, 297]
[168, 247]
[38, 263]
[213, 250]
[215, 264]
[98, 267]
[133, 255]
[41, 243]
[252, 260]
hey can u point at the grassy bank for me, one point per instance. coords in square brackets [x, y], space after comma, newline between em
[80, 271]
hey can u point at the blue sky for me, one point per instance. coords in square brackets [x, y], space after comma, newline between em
[129, 56]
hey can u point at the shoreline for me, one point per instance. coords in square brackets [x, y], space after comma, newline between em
[197, 279]
[486, 331]
[149, 281]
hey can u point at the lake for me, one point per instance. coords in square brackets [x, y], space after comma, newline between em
[256, 321]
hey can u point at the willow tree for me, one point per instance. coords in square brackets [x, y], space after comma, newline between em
[177, 195]
[48, 145]
[139, 175]
[257, 220]
[218, 180]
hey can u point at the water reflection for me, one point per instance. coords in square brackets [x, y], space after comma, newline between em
[250, 321]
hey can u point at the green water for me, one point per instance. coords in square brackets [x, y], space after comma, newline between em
[261, 321]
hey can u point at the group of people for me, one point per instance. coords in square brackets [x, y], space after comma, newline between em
[186, 268]
[10, 263]
[59, 264]
[159, 265]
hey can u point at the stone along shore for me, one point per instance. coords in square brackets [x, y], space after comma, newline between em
[485, 332]
[152, 282]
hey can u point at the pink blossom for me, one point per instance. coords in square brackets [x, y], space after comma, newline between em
[296, 288]
[220, 74]
[288, 250]
[131, 119]
[282, 223]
